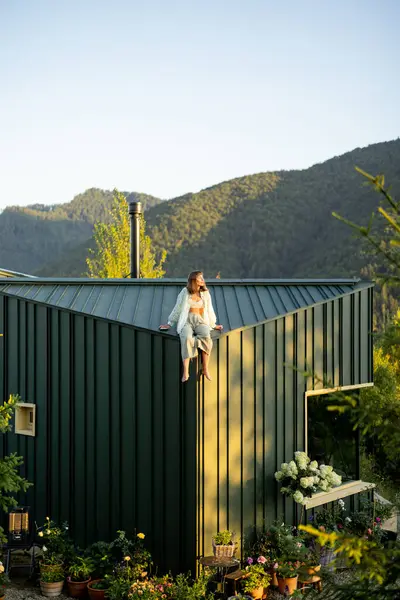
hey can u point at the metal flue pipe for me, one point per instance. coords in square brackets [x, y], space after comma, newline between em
[135, 212]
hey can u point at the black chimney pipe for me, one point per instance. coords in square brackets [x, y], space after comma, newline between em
[135, 211]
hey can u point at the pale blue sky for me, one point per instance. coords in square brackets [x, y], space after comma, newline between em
[171, 96]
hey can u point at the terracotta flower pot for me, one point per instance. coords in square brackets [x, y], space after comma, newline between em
[51, 590]
[287, 585]
[274, 578]
[93, 593]
[257, 594]
[310, 574]
[77, 589]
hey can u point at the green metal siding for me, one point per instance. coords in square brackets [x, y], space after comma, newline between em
[251, 417]
[116, 433]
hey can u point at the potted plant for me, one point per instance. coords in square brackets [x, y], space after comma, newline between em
[223, 544]
[79, 575]
[310, 566]
[97, 588]
[256, 580]
[277, 541]
[303, 477]
[51, 574]
[4, 580]
[287, 573]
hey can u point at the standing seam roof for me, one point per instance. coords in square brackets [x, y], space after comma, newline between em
[147, 303]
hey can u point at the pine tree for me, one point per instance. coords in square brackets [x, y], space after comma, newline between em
[111, 257]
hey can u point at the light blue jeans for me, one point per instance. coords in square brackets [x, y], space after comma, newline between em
[195, 335]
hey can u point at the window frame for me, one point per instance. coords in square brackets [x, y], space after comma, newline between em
[324, 392]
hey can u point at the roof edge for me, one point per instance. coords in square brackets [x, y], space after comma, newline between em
[215, 282]
[297, 310]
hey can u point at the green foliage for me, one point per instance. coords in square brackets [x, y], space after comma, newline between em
[101, 555]
[111, 258]
[186, 588]
[377, 415]
[10, 480]
[256, 577]
[57, 545]
[100, 584]
[51, 572]
[223, 538]
[4, 579]
[80, 569]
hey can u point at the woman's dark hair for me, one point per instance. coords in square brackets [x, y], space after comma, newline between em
[191, 280]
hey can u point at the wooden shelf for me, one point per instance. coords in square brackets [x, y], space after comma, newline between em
[342, 491]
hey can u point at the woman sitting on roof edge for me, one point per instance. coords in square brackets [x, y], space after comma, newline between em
[194, 314]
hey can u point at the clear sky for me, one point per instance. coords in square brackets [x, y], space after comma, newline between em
[171, 96]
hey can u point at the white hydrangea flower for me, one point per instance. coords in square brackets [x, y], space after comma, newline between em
[306, 482]
[298, 497]
[347, 520]
[278, 475]
[313, 466]
[323, 485]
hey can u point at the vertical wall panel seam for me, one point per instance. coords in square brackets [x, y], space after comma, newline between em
[241, 442]
[110, 425]
[48, 412]
[256, 433]
[341, 323]
[276, 398]
[152, 474]
[218, 433]
[227, 429]
[71, 323]
[135, 425]
[34, 309]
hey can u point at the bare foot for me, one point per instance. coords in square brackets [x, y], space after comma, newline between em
[185, 377]
[207, 375]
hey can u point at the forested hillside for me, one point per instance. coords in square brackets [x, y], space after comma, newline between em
[276, 225]
[38, 235]
[264, 225]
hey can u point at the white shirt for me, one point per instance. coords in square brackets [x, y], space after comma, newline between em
[180, 311]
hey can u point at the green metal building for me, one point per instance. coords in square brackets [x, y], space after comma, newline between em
[120, 443]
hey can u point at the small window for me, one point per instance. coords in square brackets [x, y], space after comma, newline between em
[330, 437]
[25, 418]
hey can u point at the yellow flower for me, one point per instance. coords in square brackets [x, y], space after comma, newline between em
[1, 569]
[40, 533]
[47, 518]
[141, 536]
[127, 558]
[48, 531]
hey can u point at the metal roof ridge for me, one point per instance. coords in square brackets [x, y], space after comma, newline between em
[182, 281]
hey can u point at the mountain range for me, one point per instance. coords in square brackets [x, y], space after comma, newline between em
[267, 225]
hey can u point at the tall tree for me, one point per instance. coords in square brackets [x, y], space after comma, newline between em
[110, 258]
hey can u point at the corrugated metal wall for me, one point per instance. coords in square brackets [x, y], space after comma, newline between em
[251, 417]
[116, 432]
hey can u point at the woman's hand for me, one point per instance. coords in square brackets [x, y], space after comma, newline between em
[164, 327]
[218, 327]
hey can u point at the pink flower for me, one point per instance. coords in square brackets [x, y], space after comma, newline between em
[261, 559]
[249, 561]
[369, 531]
[340, 526]
[275, 565]
[299, 544]
[378, 519]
